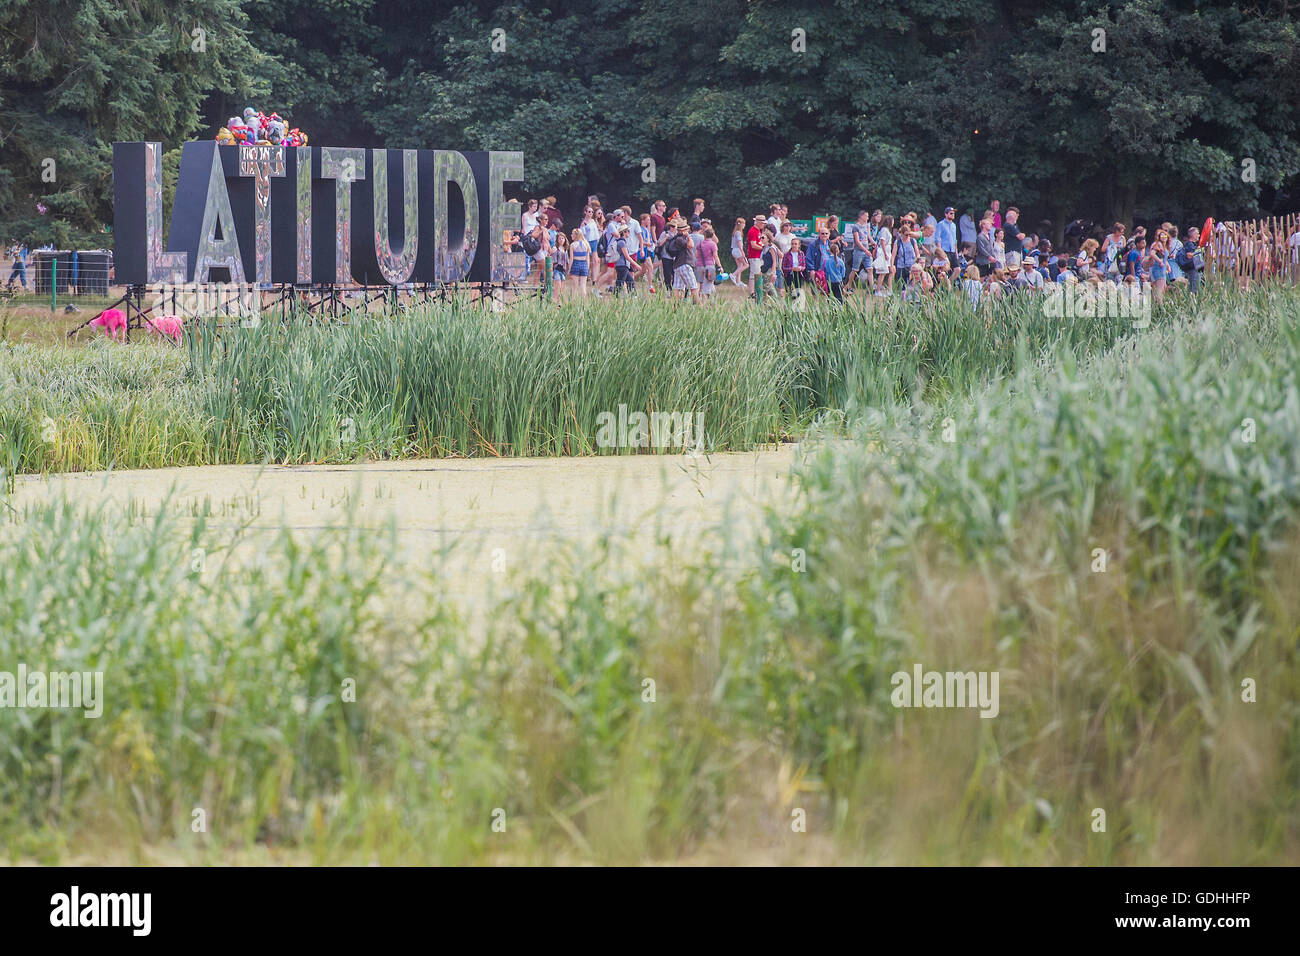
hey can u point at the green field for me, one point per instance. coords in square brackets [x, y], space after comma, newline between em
[1105, 517]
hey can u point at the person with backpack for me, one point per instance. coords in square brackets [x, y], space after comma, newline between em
[1112, 248]
[668, 233]
[607, 253]
[531, 243]
[625, 265]
[1191, 259]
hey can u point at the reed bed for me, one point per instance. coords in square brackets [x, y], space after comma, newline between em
[457, 380]
[957, 530]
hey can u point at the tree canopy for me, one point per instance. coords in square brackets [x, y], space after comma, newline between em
[1135, 109]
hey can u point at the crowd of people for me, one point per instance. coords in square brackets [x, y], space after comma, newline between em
[913, 255]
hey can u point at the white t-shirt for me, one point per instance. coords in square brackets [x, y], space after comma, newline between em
[884, 244]
[590, 231]
[783, 241]
[530, 222]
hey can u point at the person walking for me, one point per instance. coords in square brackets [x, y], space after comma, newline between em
[1192, 260]
[680, 247]
[18, 271]
[884, 261]
[738, 253]
[755, 247]
[708, 256]
[833, 267]
[793, 265]
[579, 260]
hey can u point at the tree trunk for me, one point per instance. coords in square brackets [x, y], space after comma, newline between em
[1120, 203]
[1129, 200]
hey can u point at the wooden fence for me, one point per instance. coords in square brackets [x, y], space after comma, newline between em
[1256, 250]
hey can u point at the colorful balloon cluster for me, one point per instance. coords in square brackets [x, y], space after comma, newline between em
[258, 128]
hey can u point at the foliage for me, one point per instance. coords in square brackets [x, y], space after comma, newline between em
[865, 112]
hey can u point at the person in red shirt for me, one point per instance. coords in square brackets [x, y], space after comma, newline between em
[657, 220]
[754, 248]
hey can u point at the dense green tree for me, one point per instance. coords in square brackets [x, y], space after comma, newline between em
[77, 75]
[1160, 107]
[1184, 107]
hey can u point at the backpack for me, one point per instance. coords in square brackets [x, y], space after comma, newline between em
[530, 244]
[602, 245]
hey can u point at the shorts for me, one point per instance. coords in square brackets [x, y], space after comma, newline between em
[579, 269]
[861, 261]
[755, 266]
[684, 278]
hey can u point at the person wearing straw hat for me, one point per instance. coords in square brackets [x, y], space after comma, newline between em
[682, 251]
